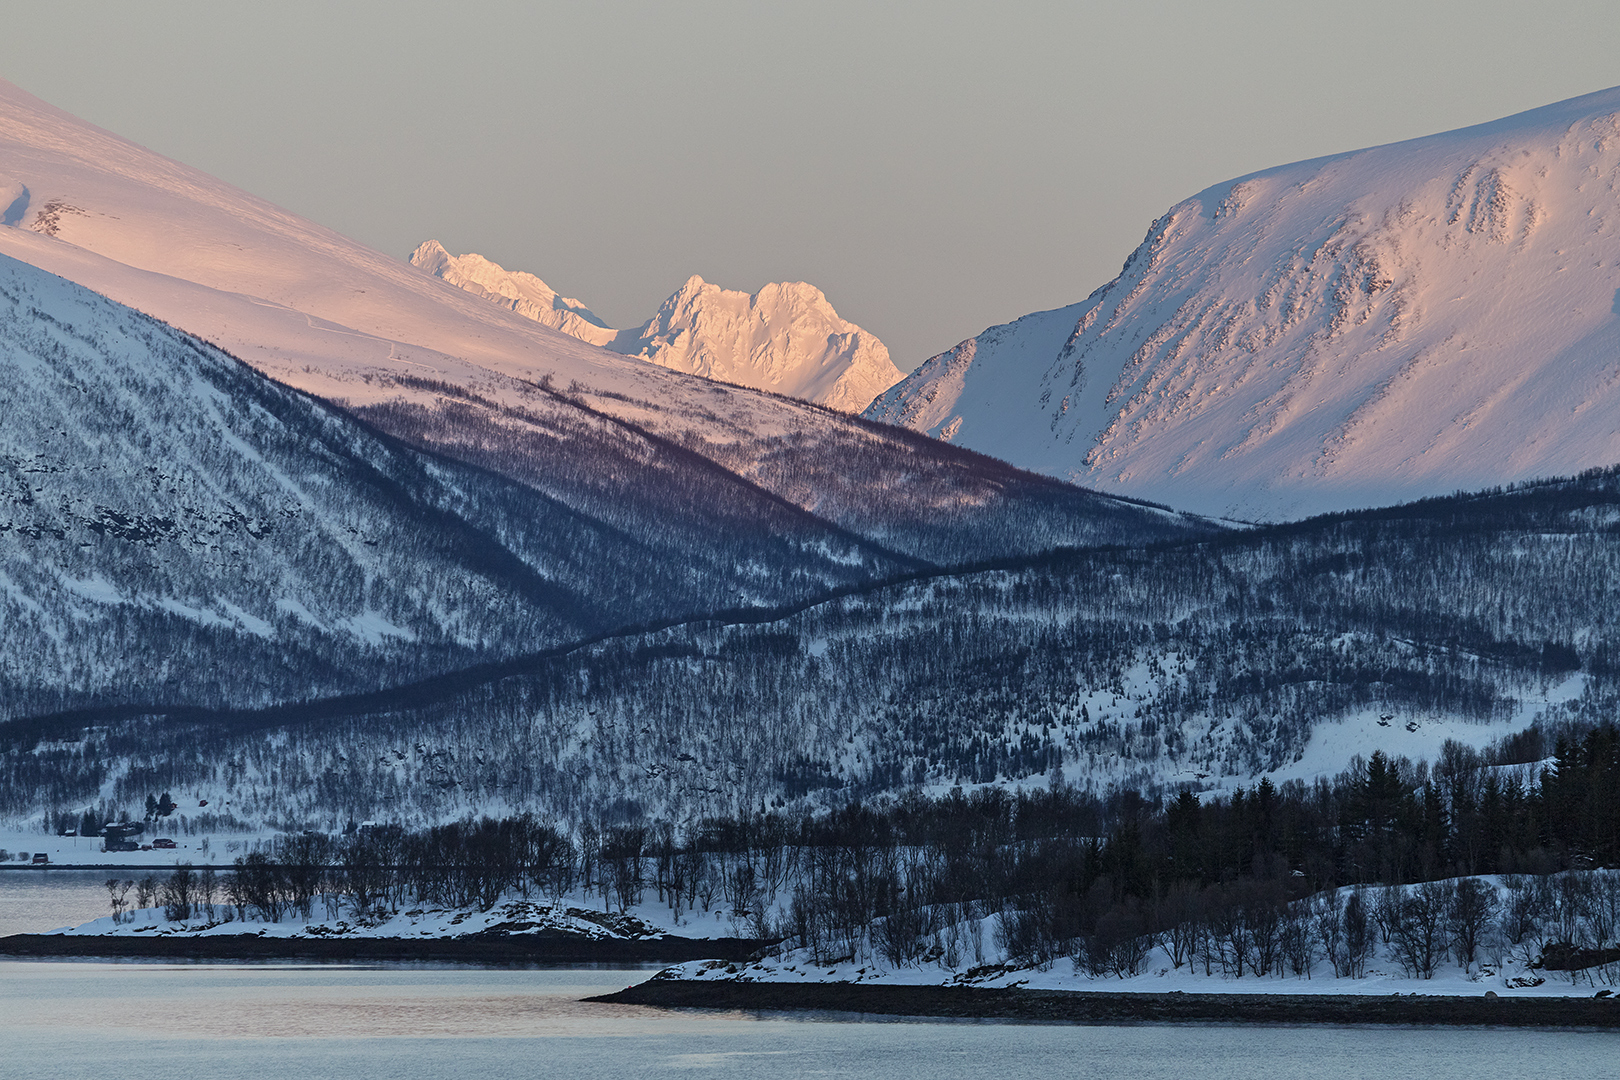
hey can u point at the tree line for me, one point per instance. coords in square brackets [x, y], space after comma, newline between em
[1261, 881]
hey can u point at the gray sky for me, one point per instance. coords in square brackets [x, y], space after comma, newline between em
[934, 167]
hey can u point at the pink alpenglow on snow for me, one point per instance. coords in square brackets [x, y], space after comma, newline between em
[1356, 330]
[786, 338]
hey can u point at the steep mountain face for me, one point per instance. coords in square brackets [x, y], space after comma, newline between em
[652, 454]
[1396, 322]
[786, 338]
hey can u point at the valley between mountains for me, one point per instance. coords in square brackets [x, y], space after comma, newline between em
[333, 548]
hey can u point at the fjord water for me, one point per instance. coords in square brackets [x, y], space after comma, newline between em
[94, 1020]
[39, 901]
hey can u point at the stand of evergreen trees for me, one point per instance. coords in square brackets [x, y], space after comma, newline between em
[1263, 881]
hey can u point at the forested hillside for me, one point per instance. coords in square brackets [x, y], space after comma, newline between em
[1194, 665]
[177, 530]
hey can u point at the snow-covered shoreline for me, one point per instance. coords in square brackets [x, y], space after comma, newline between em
[972, 1004]
[516, 931]
[1161, 978]
[740, 960]
[511, 918]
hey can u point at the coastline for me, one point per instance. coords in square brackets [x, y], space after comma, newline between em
[1090, 1007]
[492, 950]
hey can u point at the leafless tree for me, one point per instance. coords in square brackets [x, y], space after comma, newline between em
[146, 890]
[1473, 906]
[179, 893]
[1358, 933]
[1420, 929]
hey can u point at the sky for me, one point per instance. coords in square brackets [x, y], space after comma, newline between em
[935, 168]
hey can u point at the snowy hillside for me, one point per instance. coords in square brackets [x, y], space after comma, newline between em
[786, 338]
[653, 454]
[523, 293]
[175, 527]
[178, 530]
[1280, 652]
[1403, 321]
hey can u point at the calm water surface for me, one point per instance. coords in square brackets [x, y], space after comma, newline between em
[39, 901]
[107, 1021]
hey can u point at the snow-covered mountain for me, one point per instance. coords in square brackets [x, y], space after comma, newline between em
[523, 293]
[177, 527]
[632, 446]
[1403, 321]
[786, 338]
[506, 490]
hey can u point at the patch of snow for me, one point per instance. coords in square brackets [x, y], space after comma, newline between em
[375, 629]
[298, 611]
[94, 588]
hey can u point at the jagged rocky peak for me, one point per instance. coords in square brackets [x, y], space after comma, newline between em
[523, 293]
[1398, 322]
[786, 338]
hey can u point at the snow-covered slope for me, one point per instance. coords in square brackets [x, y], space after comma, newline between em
[292, 298]
[786, 338]
[176, 527]
[648, 452]
[1355, 330]
[523, 293]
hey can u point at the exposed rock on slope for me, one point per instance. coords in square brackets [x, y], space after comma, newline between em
[786, 338]
[1350, 331]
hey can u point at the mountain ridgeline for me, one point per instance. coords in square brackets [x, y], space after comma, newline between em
[178, 530]
[317, 537]
[1372, 327]
[786, 338]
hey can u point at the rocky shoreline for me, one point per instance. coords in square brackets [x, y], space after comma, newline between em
[489, 949]
[1083, 1007]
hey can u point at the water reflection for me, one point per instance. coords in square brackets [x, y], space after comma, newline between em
[130, 1021]
[39, 901]
[316, 1001]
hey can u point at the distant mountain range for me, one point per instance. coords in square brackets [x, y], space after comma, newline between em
[287, 523]
[786, 338]
[478, 485]
[1355, 330]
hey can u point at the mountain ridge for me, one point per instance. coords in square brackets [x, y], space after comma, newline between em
[785, 338]
[452, 373]
[1341, 332]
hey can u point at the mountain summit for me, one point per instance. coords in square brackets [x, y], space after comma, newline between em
[523, 293]
[1349, 331]
[786, 338]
